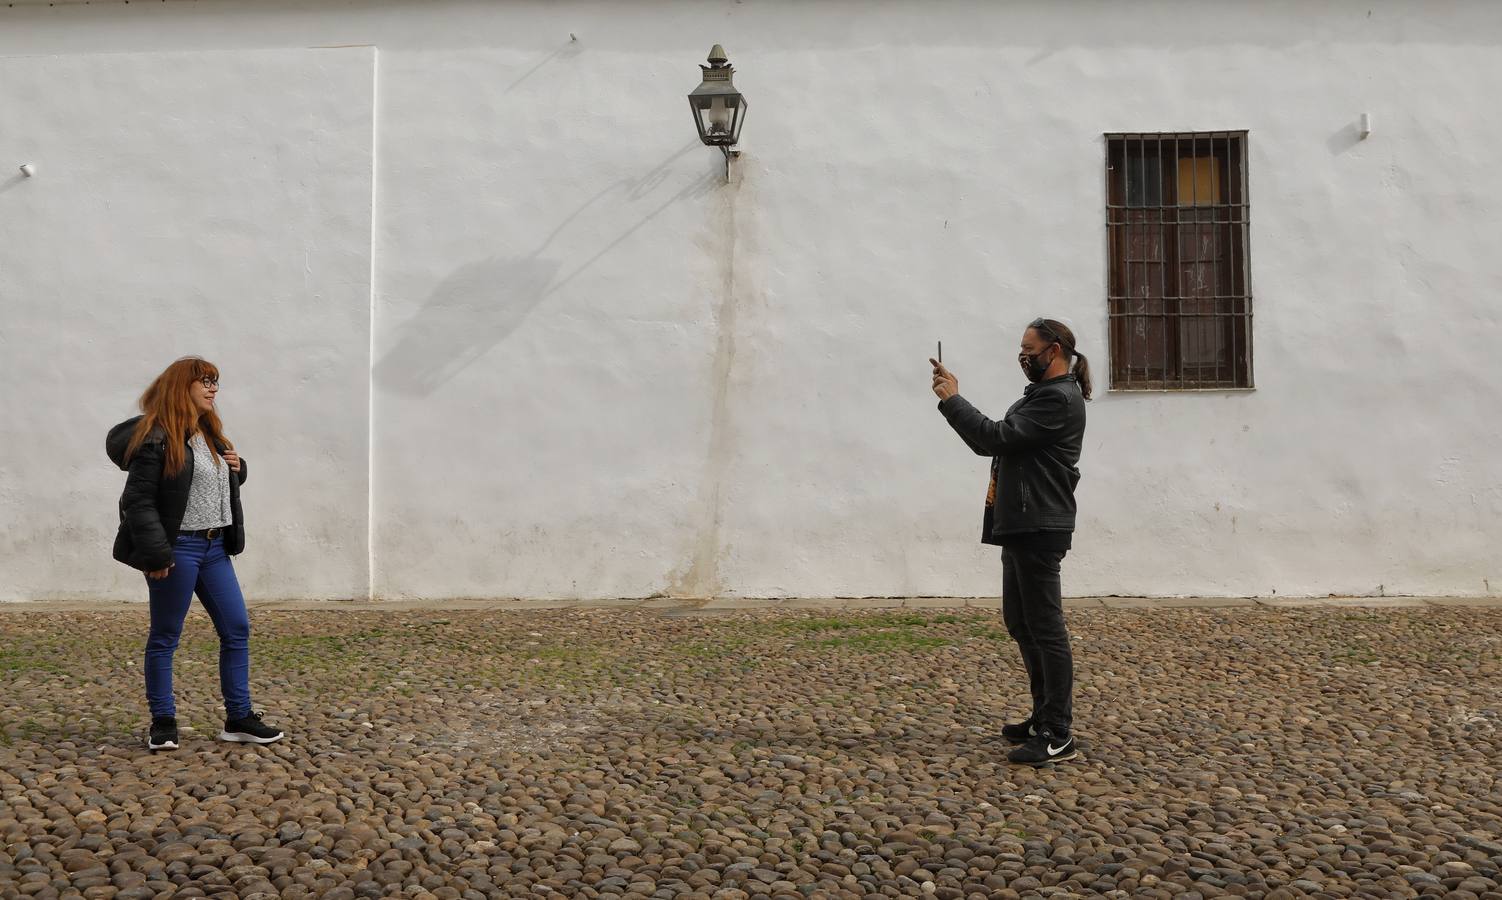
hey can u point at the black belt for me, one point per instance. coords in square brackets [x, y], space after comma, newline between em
[209, 533]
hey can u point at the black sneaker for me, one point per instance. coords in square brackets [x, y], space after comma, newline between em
[249, 730]
[1045, 749]
[163, 734]
[1019, 732]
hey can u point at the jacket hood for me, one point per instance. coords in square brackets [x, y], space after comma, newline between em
[118, 440]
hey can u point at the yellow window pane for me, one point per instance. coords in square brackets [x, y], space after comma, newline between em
[1199, 181]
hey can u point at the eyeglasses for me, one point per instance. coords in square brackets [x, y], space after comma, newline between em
[1041, 325]
[209, 381]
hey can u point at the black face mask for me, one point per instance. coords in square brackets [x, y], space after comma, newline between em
[1033, 366]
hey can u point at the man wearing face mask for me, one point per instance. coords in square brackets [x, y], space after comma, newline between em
[1030, 512]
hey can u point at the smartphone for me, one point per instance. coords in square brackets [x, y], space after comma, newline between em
[941, 353]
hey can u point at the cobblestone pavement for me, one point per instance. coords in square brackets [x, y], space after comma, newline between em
[1265, 752]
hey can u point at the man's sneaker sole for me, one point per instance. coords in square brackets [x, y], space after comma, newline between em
[164, 745]
[240, 737]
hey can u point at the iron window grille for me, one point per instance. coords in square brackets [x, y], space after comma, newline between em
[1179, 294]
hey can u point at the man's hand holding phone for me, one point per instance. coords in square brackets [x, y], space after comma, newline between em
[945, 384]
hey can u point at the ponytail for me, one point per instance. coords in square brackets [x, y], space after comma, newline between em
[1082, 373]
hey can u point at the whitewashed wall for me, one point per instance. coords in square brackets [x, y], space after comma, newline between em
[600, 371]
[215, 203]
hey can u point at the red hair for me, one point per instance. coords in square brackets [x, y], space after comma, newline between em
[168, 405]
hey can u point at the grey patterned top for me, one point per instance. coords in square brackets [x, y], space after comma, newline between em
[208, 497]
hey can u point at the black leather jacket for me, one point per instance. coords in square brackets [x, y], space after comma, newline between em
[153, 503]
[1035, 450]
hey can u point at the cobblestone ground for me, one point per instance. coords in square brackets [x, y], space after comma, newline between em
[1250, 751]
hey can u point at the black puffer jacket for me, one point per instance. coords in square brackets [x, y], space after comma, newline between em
[153, 503]
[1036, 448]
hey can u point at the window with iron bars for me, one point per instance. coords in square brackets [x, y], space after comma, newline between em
[1179, 297]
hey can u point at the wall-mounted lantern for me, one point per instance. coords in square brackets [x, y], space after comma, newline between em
[719, 109]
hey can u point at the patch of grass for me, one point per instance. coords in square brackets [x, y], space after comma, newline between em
[806, 625]
[874, 632]
[313, 647]
[561, 654]
[309, 656]
[878, 641]
[991, 634]
[716, 647]
[26, 730]
[580, 667]
[701, 651]
[23, 659]
[851, 623]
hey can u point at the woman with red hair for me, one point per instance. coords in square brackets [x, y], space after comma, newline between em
[180, 522]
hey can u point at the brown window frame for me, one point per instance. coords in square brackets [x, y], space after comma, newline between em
[1178, 285]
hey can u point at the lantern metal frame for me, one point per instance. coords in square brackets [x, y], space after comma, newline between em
[717, 85]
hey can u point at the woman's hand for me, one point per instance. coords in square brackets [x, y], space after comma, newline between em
[945, 384]
[159, 574]
[233, 459]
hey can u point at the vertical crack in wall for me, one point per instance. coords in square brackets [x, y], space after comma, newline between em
[701, 578]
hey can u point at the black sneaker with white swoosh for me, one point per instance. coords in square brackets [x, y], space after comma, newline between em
[249, 730]
[1045, 748]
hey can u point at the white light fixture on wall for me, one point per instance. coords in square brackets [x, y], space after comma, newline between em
[1366, 125]
[28, 170]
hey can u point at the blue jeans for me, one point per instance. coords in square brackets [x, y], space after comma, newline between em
[201, 566]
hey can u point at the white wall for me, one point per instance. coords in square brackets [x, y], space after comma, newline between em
[215, 203]
[600, 371]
